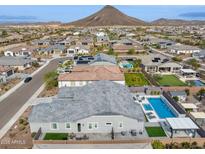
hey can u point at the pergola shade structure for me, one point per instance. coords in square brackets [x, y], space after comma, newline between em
[181, 124]
[199, 117]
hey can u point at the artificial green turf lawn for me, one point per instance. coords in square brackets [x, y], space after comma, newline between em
[155, 131]
[135, 79]
[56, 136]
[170, 80]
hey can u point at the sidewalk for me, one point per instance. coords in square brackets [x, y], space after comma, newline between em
[4, 130]
[10, 91]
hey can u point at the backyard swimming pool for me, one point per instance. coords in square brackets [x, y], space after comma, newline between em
[147, 107]
[161, 108]
[196, 83]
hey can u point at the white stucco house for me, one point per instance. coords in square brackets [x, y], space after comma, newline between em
[99, 107]
[18, 51]
[183, 49]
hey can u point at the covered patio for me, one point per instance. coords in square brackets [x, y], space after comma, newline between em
[182, 126]
[188, 73]
[199, 117]
[189, 107]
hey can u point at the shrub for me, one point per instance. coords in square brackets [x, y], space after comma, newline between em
[51, 79]
[21, 121]
[157, 145]
[21, 127]
[33, 134]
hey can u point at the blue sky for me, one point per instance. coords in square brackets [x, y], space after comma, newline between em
[70, 13]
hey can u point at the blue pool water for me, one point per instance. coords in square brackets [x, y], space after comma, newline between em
[161, 108]
[147, 107]
[128, 65]
[198, 83]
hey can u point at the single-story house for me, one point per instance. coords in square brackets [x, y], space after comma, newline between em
[123, 46]
[53, 49]
[154, 63]
[103, 59]
[78, 49]
[84, 74]
[99, 107]
[20, 63]
[199, 55]
[19, 51]
[183, 49]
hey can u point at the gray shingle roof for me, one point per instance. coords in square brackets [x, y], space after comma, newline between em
[14, 61]
[97, 98]
[178, 93]
[104, 57]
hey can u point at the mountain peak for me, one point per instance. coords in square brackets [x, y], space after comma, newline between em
[108, 16]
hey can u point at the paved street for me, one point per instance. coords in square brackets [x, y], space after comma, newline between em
[94, 146]
[10, 105]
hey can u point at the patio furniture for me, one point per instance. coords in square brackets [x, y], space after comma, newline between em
[133, 132]
[123, 133]
[85, 137]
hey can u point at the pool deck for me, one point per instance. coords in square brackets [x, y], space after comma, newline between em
[151, 115]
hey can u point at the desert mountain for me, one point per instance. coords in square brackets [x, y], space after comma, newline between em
[176, 22]
[108, 16]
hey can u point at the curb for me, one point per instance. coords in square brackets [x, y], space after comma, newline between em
[10, 91]
[8, 125]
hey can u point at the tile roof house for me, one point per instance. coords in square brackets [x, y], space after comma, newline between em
[154, 63]
[82, 75]
[98, 107]
[123, 46]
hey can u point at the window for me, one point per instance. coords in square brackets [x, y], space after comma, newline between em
[120, 125]
[108, 124]
[54, 126]
[90, 126]
[95, 125]
[67, 126]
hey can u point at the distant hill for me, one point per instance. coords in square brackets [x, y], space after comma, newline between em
[30, 23]
[176, 22]
[108, 16]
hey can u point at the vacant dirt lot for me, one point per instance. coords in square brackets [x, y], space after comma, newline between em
[19, 135]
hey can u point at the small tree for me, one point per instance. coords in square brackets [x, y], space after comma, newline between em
[4, 33]
[137, 63]
[177, 59]
[176, 98]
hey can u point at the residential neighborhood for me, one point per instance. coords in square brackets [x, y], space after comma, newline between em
[102, 84]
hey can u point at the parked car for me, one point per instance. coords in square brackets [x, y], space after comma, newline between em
[28, 79]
